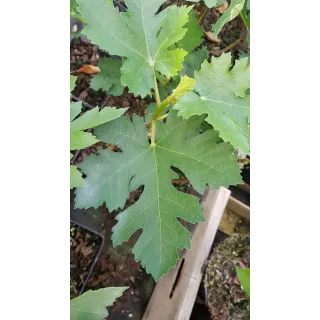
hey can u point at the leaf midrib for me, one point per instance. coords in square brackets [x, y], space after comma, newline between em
[222, 123]
[107, 30]
[144, 29]
[158, 200]
[226, 103]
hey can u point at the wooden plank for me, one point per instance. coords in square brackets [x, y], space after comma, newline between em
[235, 211]
[166, 304]
[244, 187]
[228, 222]
[239, 208]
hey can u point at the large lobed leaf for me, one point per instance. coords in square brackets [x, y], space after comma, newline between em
[92, 304]
[222, 96]
[140, 36]
[112, 175]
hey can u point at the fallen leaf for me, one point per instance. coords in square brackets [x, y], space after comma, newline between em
[236, 281]
[241, 264]
[86, 251]
[88, 69]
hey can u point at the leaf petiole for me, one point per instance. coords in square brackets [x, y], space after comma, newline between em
[202, 16]
[163, 117]
[153, 121]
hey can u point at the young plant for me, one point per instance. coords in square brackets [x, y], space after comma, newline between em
[93, 304]
[153, 51]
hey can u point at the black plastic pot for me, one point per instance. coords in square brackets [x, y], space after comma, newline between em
[101, 237]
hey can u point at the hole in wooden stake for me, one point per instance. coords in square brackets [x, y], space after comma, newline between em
[176, 281]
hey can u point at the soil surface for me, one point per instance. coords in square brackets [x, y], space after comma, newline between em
[117, 267]
[224, 295]
[84, 246]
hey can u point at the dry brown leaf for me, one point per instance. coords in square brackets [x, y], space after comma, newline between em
[223, 7]
[236, 281]
[86, 251]
[210, 37]
[88, 69]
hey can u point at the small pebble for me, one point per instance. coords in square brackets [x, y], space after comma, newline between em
[125, 103]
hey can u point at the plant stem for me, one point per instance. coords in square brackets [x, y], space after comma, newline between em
[153, 121]
[162, 117]
[161, 107]
[202, 16]
[156, 90]
[233, 44]
[153, 132]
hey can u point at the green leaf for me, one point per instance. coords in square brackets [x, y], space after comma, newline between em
[94, 118]
[193, 36]
[92, 304]
[108, 79]
[112, 175]
[75, 109]
[73, 80]
[80, 140]
[74, 11]
[165, 91]
[210, 3]
[150, 110]
[245, 16]
[243, 275]
[193, 61]
[186, 84]
[233, 10]
[140, 36]
[76, 179]
[222, 96]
